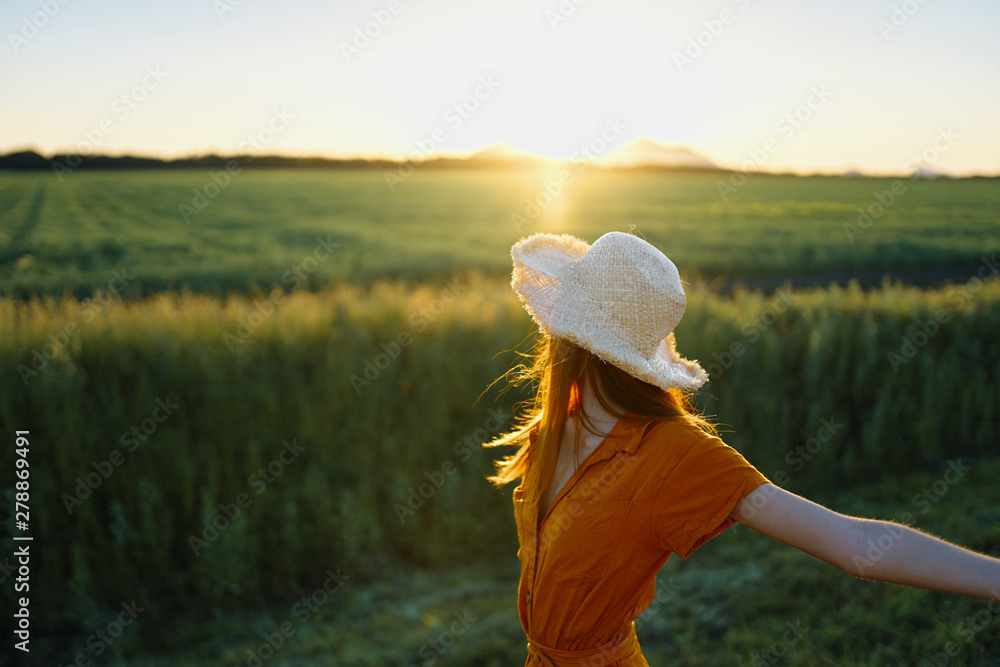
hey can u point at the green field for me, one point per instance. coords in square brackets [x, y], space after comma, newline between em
[265, 224]
[176, 399]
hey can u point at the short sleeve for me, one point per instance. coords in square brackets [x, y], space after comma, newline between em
[695, 499]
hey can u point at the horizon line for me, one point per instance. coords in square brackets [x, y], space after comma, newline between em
[527, 158]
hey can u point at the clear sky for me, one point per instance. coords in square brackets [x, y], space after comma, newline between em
[550, 75]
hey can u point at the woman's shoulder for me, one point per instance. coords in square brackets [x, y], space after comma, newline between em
[676, 430]
[673, 438]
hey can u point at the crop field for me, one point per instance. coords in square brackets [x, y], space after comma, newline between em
[227, 414]
[179, 229]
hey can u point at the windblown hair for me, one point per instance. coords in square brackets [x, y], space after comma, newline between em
[559, 368]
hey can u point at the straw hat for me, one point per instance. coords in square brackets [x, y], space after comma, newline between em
[620, 298]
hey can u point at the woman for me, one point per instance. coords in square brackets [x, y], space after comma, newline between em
[617, 472]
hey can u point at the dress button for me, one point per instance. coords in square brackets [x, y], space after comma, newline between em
[529, 597]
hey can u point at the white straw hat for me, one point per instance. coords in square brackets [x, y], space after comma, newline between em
[620, 299]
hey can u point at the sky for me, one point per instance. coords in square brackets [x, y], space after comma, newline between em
[878, 86]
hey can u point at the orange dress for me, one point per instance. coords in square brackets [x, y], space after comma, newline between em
[588, 567]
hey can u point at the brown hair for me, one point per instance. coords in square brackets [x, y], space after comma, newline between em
[559, 368]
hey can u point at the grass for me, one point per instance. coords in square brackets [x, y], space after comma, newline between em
[742, 599]
[312, 228]
[202, 514]
[222, 413]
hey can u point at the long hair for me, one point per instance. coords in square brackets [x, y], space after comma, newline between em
[558, 368]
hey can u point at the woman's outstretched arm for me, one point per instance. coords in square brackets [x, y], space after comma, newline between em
[870, 549]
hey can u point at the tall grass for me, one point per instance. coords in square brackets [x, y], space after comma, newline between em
[391, 474]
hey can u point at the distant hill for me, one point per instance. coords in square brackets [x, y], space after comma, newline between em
[505, 153]
[646, 153]
[927, 172]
